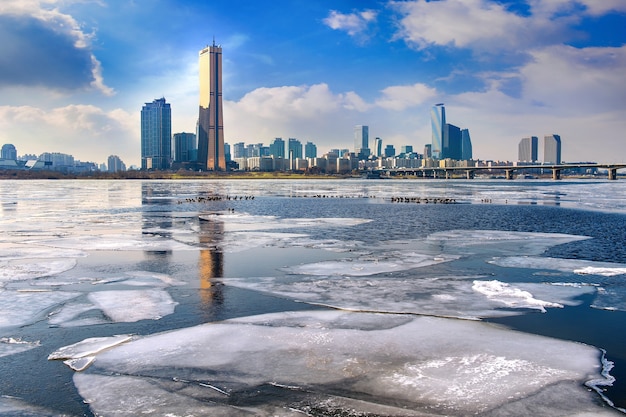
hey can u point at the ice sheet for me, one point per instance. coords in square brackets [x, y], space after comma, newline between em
[20, 308]
[295, 360]
[25, 269]
[10, 346]
[133, 305]
[577, 266]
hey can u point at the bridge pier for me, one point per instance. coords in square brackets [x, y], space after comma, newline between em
[612, 173]
[556, 174]
[447, 174]
[508, 174]
[470, 174]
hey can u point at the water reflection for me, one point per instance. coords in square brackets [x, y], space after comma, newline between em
[211, 262]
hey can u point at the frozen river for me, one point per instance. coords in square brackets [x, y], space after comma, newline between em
[314, 297]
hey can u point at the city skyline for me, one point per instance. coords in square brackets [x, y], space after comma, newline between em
[538, 67]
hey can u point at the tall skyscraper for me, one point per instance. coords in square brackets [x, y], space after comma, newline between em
[310, 150]
[210, 120]
[294, 149]
[361, 141]
[552, 149]
[438, 123]
[277, 148]
[527, 149]
[156, 135]
[466, 145]
[184, 147]
[378, 147]
[452, 143]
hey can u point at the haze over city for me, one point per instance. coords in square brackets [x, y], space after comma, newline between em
[75, 74]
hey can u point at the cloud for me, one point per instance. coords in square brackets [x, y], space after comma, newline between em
[402, 97]
[353, 23]
[480, 25]
[44, 47]
[87, 132]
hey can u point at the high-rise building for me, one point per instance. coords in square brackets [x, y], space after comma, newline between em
[184, 147]
[438, 123]
[405, 149]
[552, 149]
[428, 150]
[115, 164]
[361, 141]
[378, 147]
[466, 145]
[226, 152]
[156, 135]
[390, 151]
[8, 152]
[294, 149]
[239, 150]
[277, 148]
[211, 121]
[310, 150]
[528, 149]
[451, 144]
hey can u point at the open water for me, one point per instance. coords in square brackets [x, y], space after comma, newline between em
[336, 297]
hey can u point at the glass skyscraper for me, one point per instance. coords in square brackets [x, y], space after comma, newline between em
[361, 141]
[210, 120]
[438, 123]
[452, 143]
[156, 135]
[466, 145]
[552, 149]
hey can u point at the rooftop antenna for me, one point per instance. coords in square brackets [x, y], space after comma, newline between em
[213, 40]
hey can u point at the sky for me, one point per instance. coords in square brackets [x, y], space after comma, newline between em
[74, 74]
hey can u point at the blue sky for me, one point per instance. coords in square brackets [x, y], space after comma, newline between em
[74, 74]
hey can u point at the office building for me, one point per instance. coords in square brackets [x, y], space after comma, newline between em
[226, 152]
[528, 149]
[390, 151]
[310, 150]
[294, 149]
[466, 145]
[156, 135]
[277, 148]
[361, 141]
[184, 147]
[428, 153]
[438, 123]
[211, 121]
[451, 144]
[406, 149]
[8, 152]
[378, 147]
[552, 149]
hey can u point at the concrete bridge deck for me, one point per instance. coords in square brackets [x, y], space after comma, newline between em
[446, 172]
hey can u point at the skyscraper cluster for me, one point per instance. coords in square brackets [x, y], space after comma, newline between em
[448, 141]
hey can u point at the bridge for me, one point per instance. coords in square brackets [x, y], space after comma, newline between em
[509, 170]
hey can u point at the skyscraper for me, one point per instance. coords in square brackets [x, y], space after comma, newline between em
[310, 150]
[156, 135]
[8, 152]
[552, 149]
[294, 149]
[184, 147]
[210, 120]
[438, 123]
[452, 143]
[277, 148]
[466, 145]
[361, 141]
[378, 147]
[527, 149]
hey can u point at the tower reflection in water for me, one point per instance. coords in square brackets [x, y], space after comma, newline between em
[211, 262]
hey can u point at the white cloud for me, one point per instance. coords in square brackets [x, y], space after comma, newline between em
[87, 132]
[402, 97]
[353, 23]
[19, 13]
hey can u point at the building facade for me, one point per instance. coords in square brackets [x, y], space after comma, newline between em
[156, 135]
[552, 149]
[8, 152]
[466, 145]
[528, 150]
[361, 141]
[294, 149]
[452, 143]
[185, 148]
[437, 123]
[277, 148]
[115, 164]
[210, 118]
[310, 150]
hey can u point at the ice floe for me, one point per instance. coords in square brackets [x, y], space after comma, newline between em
[336, 362]
[25, 269]
[133, 305]
[10, 346]
[577, 266]
[20, 308]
